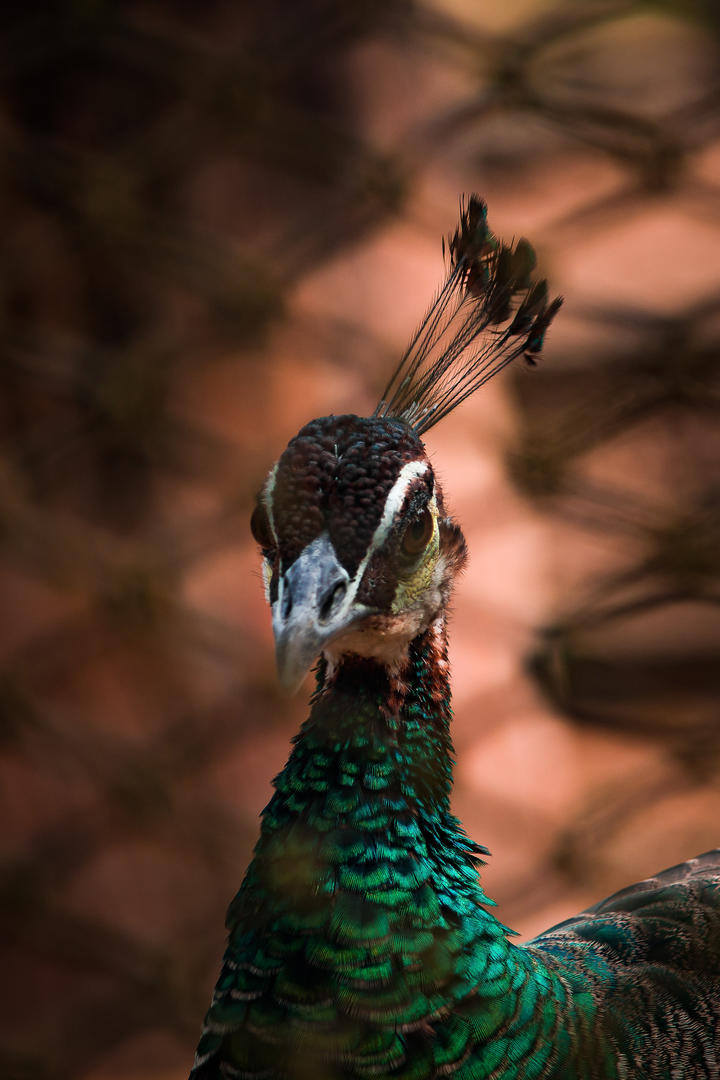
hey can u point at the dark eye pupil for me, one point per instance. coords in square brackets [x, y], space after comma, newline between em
[260, 528]
[418, 533]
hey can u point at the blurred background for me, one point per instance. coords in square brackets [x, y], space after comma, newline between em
[220, 221]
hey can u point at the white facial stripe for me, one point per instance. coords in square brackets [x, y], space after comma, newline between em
[393, 503]
[268, 498]
[267, 577]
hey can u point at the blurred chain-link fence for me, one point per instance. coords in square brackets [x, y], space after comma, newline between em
[221, 221]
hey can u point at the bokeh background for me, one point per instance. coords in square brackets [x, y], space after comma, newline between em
[219, 221]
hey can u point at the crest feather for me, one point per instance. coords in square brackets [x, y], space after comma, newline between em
[488, 312]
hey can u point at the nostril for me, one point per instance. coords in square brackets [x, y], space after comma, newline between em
[332, 598]
[287, 601]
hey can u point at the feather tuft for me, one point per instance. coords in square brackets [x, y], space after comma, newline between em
[488, 312]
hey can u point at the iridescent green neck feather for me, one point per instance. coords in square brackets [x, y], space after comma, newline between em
[360, 941]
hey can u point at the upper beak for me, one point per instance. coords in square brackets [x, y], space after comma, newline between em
[313, 606]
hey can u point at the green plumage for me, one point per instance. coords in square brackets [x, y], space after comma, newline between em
[361, 944]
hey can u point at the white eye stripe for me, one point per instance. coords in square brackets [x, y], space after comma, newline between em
[267, 578]
[268, 498]
[393, 503]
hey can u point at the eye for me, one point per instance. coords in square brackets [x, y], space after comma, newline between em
[260, 528]
[417, 535]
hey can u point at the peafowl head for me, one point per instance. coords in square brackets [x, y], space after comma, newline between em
[359, 554]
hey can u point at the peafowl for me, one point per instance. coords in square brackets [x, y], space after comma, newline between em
[360, 942]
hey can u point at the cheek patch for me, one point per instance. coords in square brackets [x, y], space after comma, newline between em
[413, 588]
[388, 582]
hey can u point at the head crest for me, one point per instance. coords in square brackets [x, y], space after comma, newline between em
[488, 312]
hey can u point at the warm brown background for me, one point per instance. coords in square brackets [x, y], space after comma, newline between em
[221, 220]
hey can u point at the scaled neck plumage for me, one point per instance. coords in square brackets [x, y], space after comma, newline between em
[361, 929]
[405, 700]
[360, 859]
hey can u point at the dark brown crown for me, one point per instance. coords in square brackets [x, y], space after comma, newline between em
[335, 475]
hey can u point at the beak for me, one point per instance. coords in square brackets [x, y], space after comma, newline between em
[314, 605]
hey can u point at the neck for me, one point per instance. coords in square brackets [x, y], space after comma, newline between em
[400, 712]
[362, 908]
